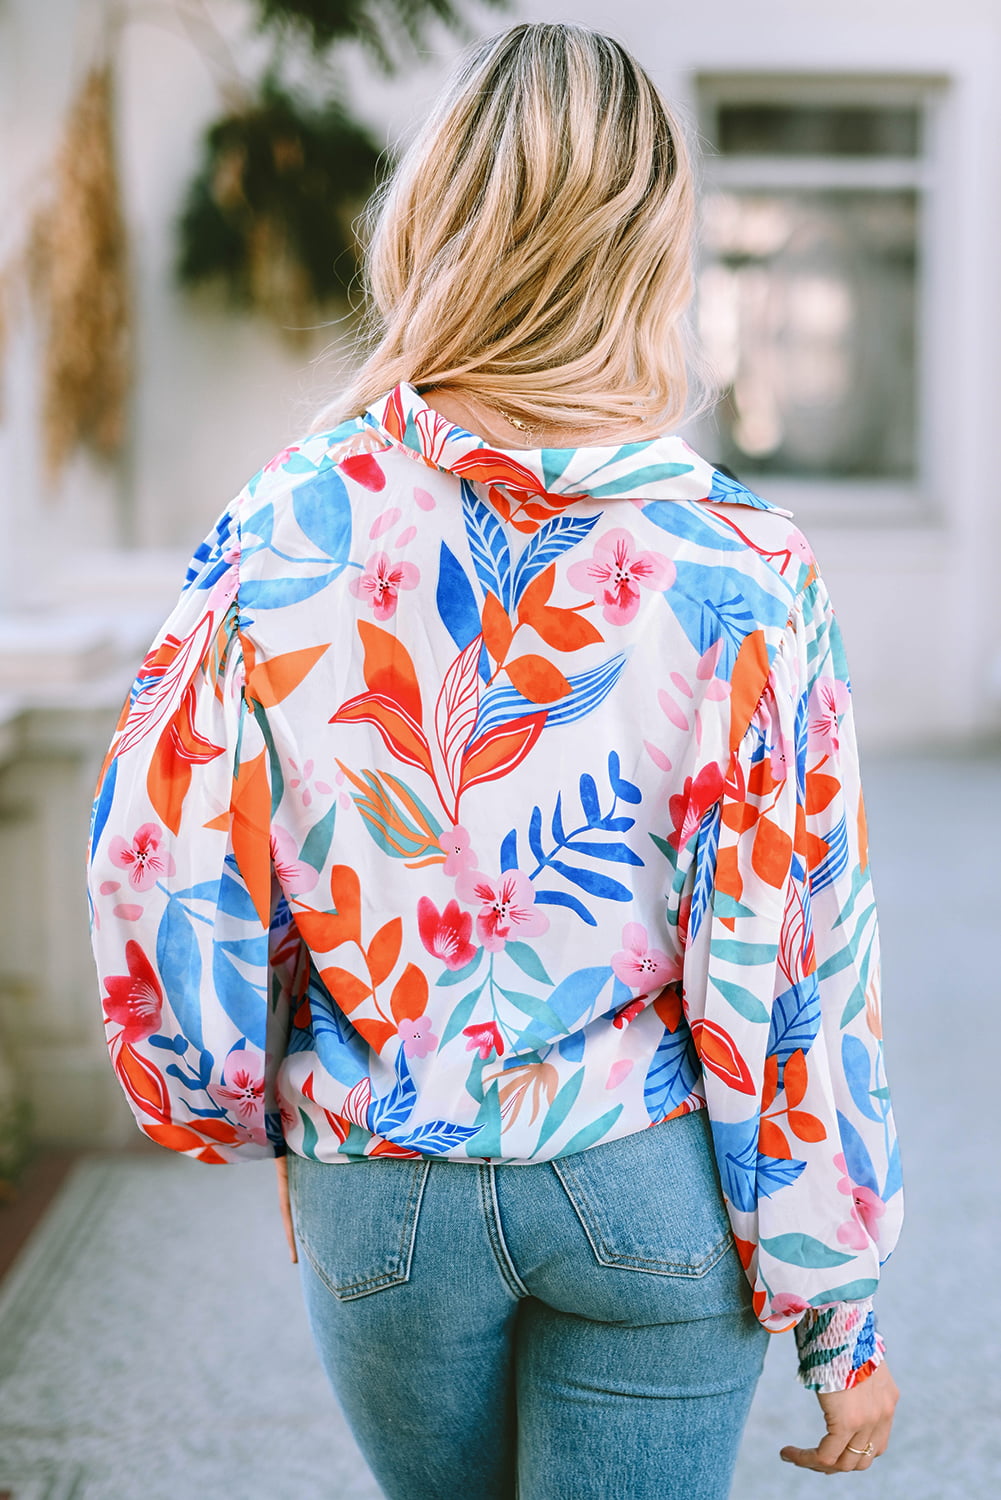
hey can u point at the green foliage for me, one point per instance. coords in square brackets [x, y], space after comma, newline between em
[15, 1142]
[269, 213]
[378, 25]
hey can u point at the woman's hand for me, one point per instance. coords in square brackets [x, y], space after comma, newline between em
[285, 1205]
[855, 1418]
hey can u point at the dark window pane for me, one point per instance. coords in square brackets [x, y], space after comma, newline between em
[807, 309]
[816, 130]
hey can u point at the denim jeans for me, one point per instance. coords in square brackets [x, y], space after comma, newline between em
[578, 1329]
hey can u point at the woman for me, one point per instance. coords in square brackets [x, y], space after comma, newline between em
[487, 818]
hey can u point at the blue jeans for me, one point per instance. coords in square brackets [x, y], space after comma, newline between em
[579, 1329]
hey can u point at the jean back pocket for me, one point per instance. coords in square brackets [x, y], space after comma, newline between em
[651, 1201]
[357, 1222]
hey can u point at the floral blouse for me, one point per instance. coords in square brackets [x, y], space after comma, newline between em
[493, 805]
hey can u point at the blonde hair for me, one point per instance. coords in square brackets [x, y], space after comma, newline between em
[533, 247]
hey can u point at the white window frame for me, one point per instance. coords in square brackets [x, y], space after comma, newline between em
[850, 501]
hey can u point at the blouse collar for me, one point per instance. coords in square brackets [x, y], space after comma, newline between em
[661, 468]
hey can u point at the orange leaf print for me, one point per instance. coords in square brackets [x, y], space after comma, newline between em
[211, 1155]
[251, 832]
[821, 791]
[740, 816]
[345, 893]
[771, 853]
[388, 669]
[770, 1080]
[384, 950]
[729, 881]
[537, 679]
[794, 1078]
[377, 1033]
[175, 1137]
[346, 989]
[401, 733]
[719, 1054]
[498, 751]
[806, 1127]
[750, 673]
[273, 680]
[536, 595]
[772, 1141]
[409, 1000]
[142, 1082]
[863, 837]
[565, 629]
[321, 930]
[497, 628]
[745, 1250]
[668, 1007]
[760, 780]
[389, 1148]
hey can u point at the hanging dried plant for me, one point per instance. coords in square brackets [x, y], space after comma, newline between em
[269, 215]
[378, 25]
[82, 280]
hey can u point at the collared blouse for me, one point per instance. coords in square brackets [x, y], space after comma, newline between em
[492, 805]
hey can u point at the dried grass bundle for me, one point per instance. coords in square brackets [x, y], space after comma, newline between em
[84, 283]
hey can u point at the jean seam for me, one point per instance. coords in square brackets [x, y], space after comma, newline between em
[495, 1234]
[606, 1256]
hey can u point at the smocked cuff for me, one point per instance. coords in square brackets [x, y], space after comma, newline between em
[838, 1346]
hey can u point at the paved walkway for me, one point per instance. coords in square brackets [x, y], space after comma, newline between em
[153, 1346]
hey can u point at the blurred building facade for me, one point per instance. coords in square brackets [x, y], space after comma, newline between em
[849, 300]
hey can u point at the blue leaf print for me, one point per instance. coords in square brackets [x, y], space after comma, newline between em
[795, 1020]
[592, 881]
[232, 896]
[509, 851]
[835, 861]
[858, 1075]
[396, 1107]
[802, 743]
[673, 1073]
[340, 1049]
[102, 806]
[435, 1137]
[549, 543]
[716, 603]
[857, 1158]
[652, 474]
[774, 1172]
[488, 545]
[179, 962]
[578, 993]
[589, 799]
[323, 513]
[556, 826]
[589, 1134]
[627, 790]
[694, 523]
[261, 524]
[736, 1147]
[705, 868]
[730, 491]
[563, 898]
[276, 593]
[535, 833]
[572, 1047]
[455, 599]
[894, 1180]
[619, 853]
[587, 691]
[245, 1005]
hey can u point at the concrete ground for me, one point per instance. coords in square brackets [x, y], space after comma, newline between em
[153, 1345]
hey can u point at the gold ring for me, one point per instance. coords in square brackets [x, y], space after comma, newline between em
[865, 1452]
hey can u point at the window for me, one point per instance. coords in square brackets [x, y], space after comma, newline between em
[810, 289]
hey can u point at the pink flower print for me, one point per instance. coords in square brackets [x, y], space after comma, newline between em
[866, 1211]
[294, 876]
[280, 459]
[484, 1038]
[787, 1306]
[797, 544]
[641, 967]
[507, 906]
[783, 758]
[614, 574]
[381, 582]
[304, 778]
[241, 1091]
[446, 934]
[134, 1000]
[143, 858]
[828, 701]
[418, 1038]
[458, 855]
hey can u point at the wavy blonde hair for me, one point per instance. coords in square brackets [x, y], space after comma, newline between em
[533, 247]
